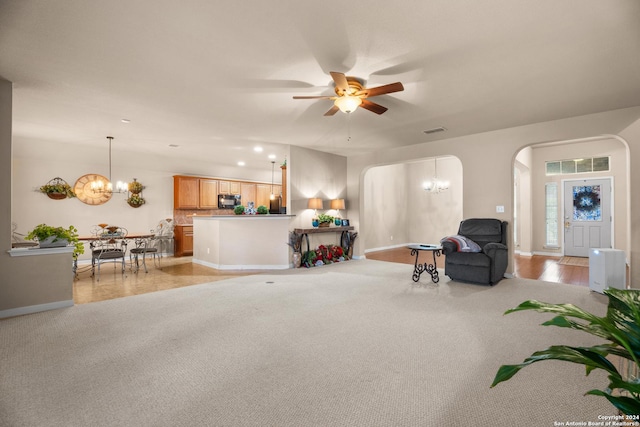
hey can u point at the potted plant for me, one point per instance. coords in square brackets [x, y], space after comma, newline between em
[238, 210]
[325, 220]
[57, 189]
[135, 187]
[48, 236]
[135, 200]
[262, 210]
[620, 328]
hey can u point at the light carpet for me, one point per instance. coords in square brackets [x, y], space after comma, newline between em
[351, 344]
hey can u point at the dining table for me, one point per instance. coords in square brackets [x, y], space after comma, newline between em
[128, 237]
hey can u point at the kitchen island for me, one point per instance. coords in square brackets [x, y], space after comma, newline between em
[242, 242]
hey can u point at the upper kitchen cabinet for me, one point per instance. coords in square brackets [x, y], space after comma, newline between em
[229, 187]
[208, 194]
[186, 192]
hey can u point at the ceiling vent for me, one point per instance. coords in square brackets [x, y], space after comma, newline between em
[435, 130]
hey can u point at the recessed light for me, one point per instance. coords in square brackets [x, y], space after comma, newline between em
[272, 156]
[241, 163]
[125, 121]
[257, 149]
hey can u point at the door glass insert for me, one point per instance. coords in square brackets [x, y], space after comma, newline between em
[586, 203]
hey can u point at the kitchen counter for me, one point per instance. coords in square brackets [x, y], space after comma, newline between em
[242, 242]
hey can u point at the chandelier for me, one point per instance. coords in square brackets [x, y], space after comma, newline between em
[435, 185]
[99, 186]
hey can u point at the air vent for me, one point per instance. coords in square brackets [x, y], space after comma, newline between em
[435, 130]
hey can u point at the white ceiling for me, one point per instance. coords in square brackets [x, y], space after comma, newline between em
[217, 77]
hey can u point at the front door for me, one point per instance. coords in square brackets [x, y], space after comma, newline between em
[587, 216]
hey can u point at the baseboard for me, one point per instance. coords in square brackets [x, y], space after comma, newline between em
[527, 254]
[241, 267]
[20, 311]
[553, 254]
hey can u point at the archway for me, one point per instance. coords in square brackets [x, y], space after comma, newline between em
[398, 211]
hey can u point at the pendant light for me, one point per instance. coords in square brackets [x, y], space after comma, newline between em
[98, 186]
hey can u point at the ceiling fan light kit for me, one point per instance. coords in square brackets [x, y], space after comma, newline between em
[351, 94]
[348, 103]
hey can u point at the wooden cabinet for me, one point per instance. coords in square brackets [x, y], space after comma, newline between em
[224, 187]
[229, 187]
[185, 192]
[248, 193]
[208, 194]
[192, 192]
[263, 194]
[183, 236]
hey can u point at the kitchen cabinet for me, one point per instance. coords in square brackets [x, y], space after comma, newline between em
[183, 237]
[185, 192]
[248, 193]
[229, 187]
[263, 194]
[208, 194]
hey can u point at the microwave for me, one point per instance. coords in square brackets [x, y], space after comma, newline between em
[228, 201]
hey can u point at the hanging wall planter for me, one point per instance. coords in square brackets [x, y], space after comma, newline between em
[57, 189]
[135, 201]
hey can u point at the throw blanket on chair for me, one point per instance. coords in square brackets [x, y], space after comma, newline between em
[464, 244]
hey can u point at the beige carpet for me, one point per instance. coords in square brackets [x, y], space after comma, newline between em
[573, 260]
[352, 344]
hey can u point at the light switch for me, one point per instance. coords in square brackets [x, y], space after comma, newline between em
[500, 209]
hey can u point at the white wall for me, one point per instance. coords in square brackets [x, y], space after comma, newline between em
[398, 209]
[316, 174]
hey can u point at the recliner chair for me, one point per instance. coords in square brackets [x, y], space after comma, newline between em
[484, 267]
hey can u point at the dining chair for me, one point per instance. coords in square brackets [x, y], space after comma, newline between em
[143, 247]
[154, 245]
[109, 245]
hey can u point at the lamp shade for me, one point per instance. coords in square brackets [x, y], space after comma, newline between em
[337, 204]
[315, 203]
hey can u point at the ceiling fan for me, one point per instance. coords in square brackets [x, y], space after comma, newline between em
[351, 94]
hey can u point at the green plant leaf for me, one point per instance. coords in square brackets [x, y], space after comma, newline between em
[587, 356]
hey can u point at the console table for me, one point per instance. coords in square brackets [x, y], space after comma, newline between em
[346, 239]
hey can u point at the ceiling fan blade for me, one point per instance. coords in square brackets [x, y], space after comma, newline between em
[373, 107]
[380, 90]
[314, 97]
[332, 111]
[341, 81]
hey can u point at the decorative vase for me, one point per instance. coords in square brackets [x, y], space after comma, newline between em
[338, 222]
[297, 259]
[314, 222]
[134, 205]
